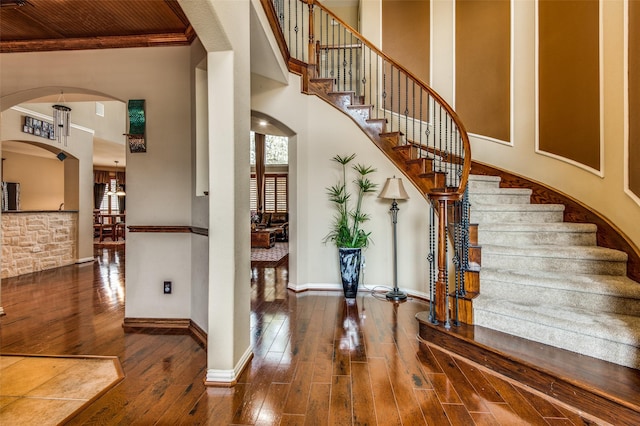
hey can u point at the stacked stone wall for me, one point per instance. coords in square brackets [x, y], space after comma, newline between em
[37, 241]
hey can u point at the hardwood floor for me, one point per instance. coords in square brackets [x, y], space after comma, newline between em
[317, 359]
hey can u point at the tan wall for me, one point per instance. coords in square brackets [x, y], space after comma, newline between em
[33, 242]
[43, 190]
[634, 97]
[569, 86]
[405, 34]
[483, 67]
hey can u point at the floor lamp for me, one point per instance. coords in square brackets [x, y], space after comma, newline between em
[393, 190]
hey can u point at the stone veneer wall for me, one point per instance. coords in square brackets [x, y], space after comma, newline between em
[35, 241]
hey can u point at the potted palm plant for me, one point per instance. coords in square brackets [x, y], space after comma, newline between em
[346, 231]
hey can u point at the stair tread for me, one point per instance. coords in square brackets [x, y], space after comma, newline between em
[485, 178]
[567, 252]
[609, 285]
[475, 191]
[538, 227]
[608, 326]
[517, 207]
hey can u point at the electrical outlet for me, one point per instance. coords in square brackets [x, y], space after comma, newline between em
[167, 287]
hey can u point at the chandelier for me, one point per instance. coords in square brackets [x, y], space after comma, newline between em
[119, 190]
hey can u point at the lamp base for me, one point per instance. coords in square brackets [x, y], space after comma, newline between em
[396, 295]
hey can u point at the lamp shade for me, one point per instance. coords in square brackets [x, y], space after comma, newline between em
[394, 190]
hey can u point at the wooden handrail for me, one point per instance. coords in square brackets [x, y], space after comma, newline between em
[273, 20]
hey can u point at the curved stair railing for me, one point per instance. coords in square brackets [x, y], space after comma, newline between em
[407, 119]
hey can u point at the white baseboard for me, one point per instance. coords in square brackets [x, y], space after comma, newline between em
[85, 260]
[314, 286]
[228, 378]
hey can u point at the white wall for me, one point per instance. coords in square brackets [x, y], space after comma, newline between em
[314, 264]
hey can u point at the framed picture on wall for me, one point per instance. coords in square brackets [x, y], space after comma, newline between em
[39, 128]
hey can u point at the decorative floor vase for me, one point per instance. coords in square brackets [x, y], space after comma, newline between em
[350, 270]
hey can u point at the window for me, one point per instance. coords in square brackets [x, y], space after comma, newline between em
[110, 203]
[276, 149]
[276, 197]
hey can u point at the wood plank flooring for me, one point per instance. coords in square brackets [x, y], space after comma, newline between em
[317, 359]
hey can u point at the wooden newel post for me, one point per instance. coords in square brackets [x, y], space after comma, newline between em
[442, 314]
[441, 283]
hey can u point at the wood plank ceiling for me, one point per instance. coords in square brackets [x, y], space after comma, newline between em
[46, 25]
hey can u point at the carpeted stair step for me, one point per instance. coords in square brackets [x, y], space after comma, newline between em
[516, 213]
[595, 293]
[570, 259]
[561, 233]
[607, 336]
[500, 195]
[483, 181]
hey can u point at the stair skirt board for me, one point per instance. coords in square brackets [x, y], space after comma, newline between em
[587, 335]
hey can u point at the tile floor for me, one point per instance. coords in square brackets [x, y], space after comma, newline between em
[47, 390]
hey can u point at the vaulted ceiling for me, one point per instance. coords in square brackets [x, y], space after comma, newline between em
[44, 25]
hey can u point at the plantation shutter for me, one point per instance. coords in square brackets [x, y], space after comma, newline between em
[253, 194]
[282, 199]
[270, 193]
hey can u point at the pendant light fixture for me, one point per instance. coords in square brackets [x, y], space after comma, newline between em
[119, 190]
[61, 120]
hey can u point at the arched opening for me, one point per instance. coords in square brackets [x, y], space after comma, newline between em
[55, 176]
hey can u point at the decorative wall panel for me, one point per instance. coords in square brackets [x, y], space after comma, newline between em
[569, 80]
[483, 66]
[405, 34]
[406, 39]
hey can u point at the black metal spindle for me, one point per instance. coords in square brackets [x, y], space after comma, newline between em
[350, 61]
[406, 108]
[344, 59]
[413, 112]
[431, 258]
[384, 89]
[391, 99]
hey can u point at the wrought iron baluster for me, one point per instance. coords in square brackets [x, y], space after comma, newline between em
[399, 111]
[350, 61]
[465, 237]
[344, 59]
[384, 89]
[391, 99]
[431, 258]
[421, 143]
[295, 29]
[413, 98]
